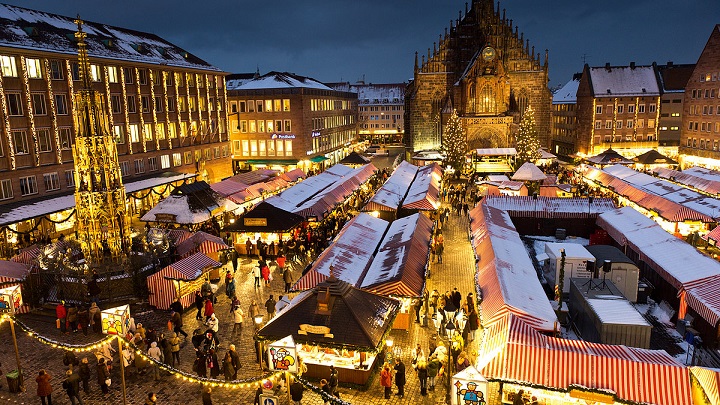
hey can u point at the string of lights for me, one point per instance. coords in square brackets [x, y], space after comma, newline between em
[129, 139]
[108, 104]
[153, 107]
[53, 112]
[143, 137]
[8, 132]
[71, 94]
[167, 110]
[30, 110]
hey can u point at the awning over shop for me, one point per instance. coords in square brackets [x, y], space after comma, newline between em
[698, 178]
[529, 172]
[190, 267]
[400, 265]
[609, 157]
[293, 175]
[189, 204]
[505, 274]
[354, 158]
[318, 159]
[334, 314]
[424, 192]
[265, 217]
[653, 157]
[28, 209]
[389, 197]
[514, 352]
[709, 380]
[11, 271]
[549, 207]
[200, 242]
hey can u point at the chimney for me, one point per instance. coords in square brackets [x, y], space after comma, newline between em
[632, 65]
[607, 66]
[670, 63]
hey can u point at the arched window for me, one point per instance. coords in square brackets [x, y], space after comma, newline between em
[486, 103]
[471, 98]
[523, 102]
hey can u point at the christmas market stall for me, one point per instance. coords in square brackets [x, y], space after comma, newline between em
[179, 280]
[706, 385]
[516, 359]
[264, 222]
[335, 324]
[424, 192]
[506, 279]
[469, 387]
[201, 242]
[190, 204]
[696, 178]
[389, 197]
[12, 274]
[354, 159]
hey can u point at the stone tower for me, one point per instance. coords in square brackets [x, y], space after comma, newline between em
[103, 228]
[488, 72]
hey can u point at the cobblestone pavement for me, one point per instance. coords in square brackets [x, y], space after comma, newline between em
[456, 271]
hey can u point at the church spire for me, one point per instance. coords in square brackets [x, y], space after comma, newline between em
[416, 62]
[83, 63]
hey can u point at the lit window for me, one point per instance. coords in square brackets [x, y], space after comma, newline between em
[28, 185]
[160, 128]
[6, 189]
[270, 126]
[134, 133]
[177, 159]
[651, 124]
[288, 148]
[287, 126]
[112, 74]
[261, 126]
[165, 161]
[245, 147]
[261, 148]
[34, 68]
[52, 181]
[187, 157]
[95, 74]
[269, 106]
[253, 148]
[148, 132]
[252, 127]
[119, 133]
[172, 130]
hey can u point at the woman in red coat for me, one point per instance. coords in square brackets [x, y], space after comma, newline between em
[209, 309]
[386, 380]
[266, 274]
[44, 389]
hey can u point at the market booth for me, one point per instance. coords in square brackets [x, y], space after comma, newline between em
[389, 197]
[190, 204]
[179, 280]
[201, 242]
[707, 389]
[335, 324]
[265, 222]
[514, 356]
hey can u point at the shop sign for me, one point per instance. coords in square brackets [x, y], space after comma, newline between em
[116, 321]
[315, 134]
[268, 399]
[165, 217]
[315, 330]
[255, 221]
[282, 136]
[592, 396]
[11, 299]
[283, 355]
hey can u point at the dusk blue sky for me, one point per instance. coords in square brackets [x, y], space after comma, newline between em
[333, 40]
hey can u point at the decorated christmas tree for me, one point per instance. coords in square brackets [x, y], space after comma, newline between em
[528, 142]
[454, 144]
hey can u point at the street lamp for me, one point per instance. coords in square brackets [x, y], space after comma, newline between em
[450, 330]
[388, 352]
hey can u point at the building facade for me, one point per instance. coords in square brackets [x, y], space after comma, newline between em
[381, 110]
[700, 129]
[165, 107]
[285, 121]
[673, 79]
[488, 72]
[618, 107]
[564, 119]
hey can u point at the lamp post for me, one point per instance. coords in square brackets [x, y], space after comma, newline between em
[258, 344]
[388, 351]
[450, 330]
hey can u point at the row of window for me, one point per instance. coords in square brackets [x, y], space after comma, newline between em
[706, 110]
[269, 126]
[626, 138]
[702, 144]
[368, 126]
[621, 109]
[700, 93]
[709, 77]
[254, 147]
[8, 67]
[394, 117]
[704, 126]
[640, 123]
[249, 106]
[29, 184]
[331, 141]
[382, 108]
[332, 122]
[324, 104]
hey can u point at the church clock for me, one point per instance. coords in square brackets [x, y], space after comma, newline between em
[488, 53]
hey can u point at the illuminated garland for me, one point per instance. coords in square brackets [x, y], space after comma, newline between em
[150, 191]
[207, 104]
[51, 96]
[30, 112]
[65, 346]
[198, 128]
[181, 135]
[167, 110]
[225, 103]
[142, 119]
[71, 94]
[153, 107]
[108, 103]
[129, 140]
[8, 132]
[187, 105]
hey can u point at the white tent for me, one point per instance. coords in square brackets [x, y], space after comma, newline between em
[529, 172]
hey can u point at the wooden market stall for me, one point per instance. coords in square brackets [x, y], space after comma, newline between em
[388, 199]
[264, 222]
[190, 204]
[179, 280]
[335, 324]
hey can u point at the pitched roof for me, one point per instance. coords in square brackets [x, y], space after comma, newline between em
[38, 30]
[674, 77]
[529, 172]
[280, 80]
[567, 94]
[654, 157]
[276, 220]
[613, 81]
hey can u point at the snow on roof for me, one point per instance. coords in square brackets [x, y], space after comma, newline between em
[496, 152]
[572, 250]
[506, 276]
[280, 80]
[529, 172]
[624, 81]
[617, 311]
[567, 94]
[37, 30]
[497, 178]
[391, 194]
[698, 178]
[177, 205]
[425, 189]
[549, 207]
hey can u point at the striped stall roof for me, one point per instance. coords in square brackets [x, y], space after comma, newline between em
[162, 285]
[390, 195]
[698, 178]
[228, 187]
[424, 192]
[521, 355]
[179, 236]
[704, 299]
[293, 175]
[200, 242]
[549, 207]
[11, 271]
[709, 379]
[190, 267]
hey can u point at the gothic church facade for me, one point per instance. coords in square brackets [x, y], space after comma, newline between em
[488, 72]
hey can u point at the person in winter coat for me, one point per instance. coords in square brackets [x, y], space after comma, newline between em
[235, 359]
[462, 362]
[238, 316]
[400, 377]
[213, 323]
[70, 360]
[141, 330]
[84, 372]
[151, 399]
[212, 364]
[270, 307]
[44, 389]
[209, 309]
[177, 322]
[72, 386]
[207, 400]
[175, 349]
[72, 317]
[61, 313]
[103, 374]
[199, 302]
[257, 273]
[227, 367]
[433, 367]
[200, 367]
[265, 271]
[83, 320]
[422, 373]
[333, 380]
[177, 306]
[254, 310]
[230, 288]
[155, 353]
[325, 387]
[287, 278]
[386, 380]
[296, 392]
[166, 347]
[94, 309]
[473, 323]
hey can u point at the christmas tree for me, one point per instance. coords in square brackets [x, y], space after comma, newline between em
[454, 144]
[528, 142]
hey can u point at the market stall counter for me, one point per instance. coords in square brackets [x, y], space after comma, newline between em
[335, 324]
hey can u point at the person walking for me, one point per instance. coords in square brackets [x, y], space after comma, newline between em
[333, 381]
[265, 271]
[238, 316]
[400, 377]
[433, 367]
[207, 400]
[44, 389]
[71, 385]
[422, 373]
[213, 324]
[287, 278]
[254, 310]
[61, 313]
[95, 318]
[175, 349]
[227, 366]
[166, 347]
[199, 303]
[257, 273]
[296, 392]
[270, 307]
[439, 249]
[324, 387]
[72, 316]
[155, 353]
[177, 323]
[235, 359]
[83, 318]
[209, 309]
[473, 323]
[249, 247]
[84, 372]
[230, 288]
[103, 375]
[151, 399]
[386, 380]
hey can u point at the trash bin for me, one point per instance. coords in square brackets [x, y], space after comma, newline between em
[14, 381]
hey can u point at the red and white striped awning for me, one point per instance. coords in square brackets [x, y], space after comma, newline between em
[293, 175]
[709, 380]
[201, 242]
[179, 236]
[13, 272]
[703, 296]
[309, 280]
[27, 255]
[190, 267]
[517, 353]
